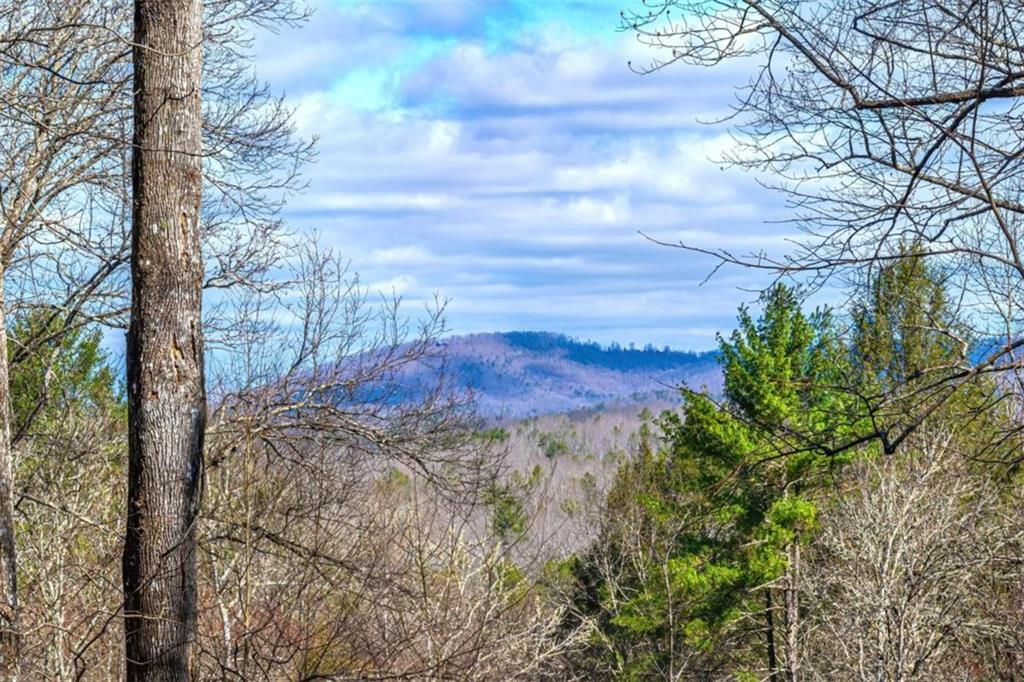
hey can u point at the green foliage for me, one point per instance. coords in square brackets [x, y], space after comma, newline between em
[907, 348]
[553, 445]
[69, 422]
[904, 326]
[718, 496]
[570, 507]
[394, 481]
[57, 372]
[507, 501]
[510, 581]
[700, 524]
[493, 435]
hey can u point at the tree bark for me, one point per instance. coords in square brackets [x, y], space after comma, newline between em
[166, 397]
[10, 636]
[773, 660]
[792, 610]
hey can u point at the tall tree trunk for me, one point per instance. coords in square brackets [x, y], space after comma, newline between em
[773, 660]
[792, 611]
[10, 636]
[166, 398]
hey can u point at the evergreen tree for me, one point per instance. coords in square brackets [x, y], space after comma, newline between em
[911, 361]
[704, 526]
[720, 510]
[57, 373]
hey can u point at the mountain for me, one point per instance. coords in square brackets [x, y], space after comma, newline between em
[523, 374]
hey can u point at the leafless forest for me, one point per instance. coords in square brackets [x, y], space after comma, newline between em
[256, 491]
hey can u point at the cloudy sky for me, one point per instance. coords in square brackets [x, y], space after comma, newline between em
[502, 155]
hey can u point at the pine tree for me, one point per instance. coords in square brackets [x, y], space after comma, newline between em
[722, 508]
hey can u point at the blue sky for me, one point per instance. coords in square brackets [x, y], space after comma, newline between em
[502, 155]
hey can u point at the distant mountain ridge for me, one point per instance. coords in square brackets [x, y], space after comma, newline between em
[521, 374]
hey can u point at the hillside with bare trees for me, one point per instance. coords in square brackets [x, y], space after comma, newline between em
[226, 456]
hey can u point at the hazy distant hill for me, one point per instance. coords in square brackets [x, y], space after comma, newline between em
[520, 374]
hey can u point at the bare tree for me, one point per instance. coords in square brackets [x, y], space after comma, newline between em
[910, 557]
[166, 392]
[43, 123]
[333, 404]
[344, 530]
[70, 470]
[64, 189]
[886, 124]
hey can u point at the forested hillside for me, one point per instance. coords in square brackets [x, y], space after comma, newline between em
[519, 374]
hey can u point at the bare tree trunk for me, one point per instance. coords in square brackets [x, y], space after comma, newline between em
[10, 637]
[792, 611]
[166, 398]
[769, 614]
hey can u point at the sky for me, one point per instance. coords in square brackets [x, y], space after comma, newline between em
[503, 156]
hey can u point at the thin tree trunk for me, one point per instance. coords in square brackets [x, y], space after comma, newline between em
[792, 610]
[166, 398]
[10, 636]
[769, 614]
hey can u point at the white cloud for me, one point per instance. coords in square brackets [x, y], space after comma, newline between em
[381, 201]
[515, 181]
